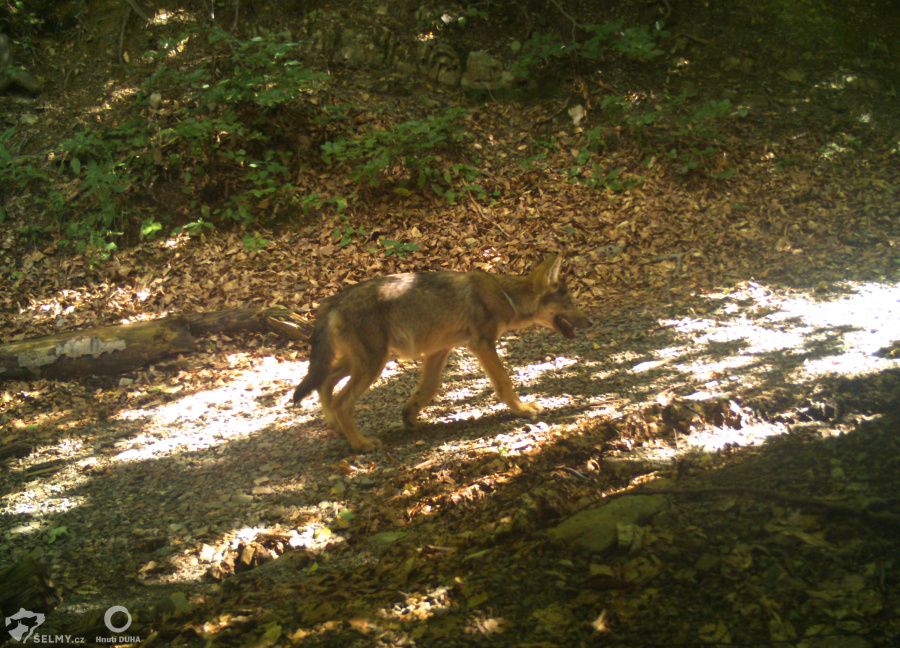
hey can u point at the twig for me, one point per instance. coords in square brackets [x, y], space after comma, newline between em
[668, 257]
[138, 10]
[122, 34]
[484, 216]
[702, 41]
[575, 24]
[237, 10]
[665, 19]
[552, 116]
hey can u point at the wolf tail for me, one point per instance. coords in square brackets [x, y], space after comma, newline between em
[320, 356]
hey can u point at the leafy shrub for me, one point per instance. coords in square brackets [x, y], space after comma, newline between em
[225, 125]
[408, 150]
[635, 42]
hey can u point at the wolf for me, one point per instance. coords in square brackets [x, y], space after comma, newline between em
[426, 315]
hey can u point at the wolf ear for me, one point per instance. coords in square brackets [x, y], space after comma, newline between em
[547, 274]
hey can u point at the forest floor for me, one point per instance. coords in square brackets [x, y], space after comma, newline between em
[742, 365]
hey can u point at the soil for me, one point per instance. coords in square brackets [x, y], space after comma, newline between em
[742, 364]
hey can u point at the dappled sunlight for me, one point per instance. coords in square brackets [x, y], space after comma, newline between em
[829, 335]
[192, 413]
[754, 344]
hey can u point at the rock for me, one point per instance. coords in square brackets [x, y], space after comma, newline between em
[734, 63]
[597, 529]
[793, 75]
[438, 62]
[864, 84]
[485, 72]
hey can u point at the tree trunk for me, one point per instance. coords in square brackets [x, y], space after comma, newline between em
[120, 349]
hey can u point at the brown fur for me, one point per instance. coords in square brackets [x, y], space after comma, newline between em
[426, 315]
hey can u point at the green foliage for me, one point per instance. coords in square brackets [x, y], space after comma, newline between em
[398, 248]
[254, 243]
[451, 189]
[597, 43]
[150, 228]
[537, 50]
[260, 73]
[57, 533]
[702, 122]
[440, 19]
[406, 152]
[195, 228]
[222, 125]
[344, 234]
[690, 138]
[878, 47]
[634, 42]
[27, 15]
[639, 43]
[596, 177]
[785, 163]
[696, 136]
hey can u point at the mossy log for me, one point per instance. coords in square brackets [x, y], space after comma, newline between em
[120, 349]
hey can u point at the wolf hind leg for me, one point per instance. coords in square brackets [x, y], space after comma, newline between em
[326, 392]
[429, 384]
[362, 375]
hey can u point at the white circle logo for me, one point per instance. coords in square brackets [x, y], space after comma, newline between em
[107, 618]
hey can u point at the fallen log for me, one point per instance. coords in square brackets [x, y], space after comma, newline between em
[119, 349]
[26, 585]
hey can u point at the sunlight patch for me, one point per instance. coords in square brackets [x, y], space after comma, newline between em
[807, 335]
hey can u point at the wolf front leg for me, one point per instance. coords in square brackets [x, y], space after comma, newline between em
[429, 383]
[486, 353]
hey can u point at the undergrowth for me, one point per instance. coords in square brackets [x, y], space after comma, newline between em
[229, 133]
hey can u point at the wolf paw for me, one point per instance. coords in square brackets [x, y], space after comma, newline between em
[527, 410]
[367, 444]
[409, 418]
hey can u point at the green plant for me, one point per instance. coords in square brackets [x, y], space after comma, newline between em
[441, 19]
[195, 228]
[408, 150]
[635, 42]
[150, 228]
[31, 234]
[639, 43]
[254, 243]
[695, 136]
[310, 201]
[452, 177]
[596, 44]
[398, 248]
[702, 122]
[691, 158]
[344, 235]
[612, 180]
[785, 163]
[56, 533]
[878, 47]
[537, 50]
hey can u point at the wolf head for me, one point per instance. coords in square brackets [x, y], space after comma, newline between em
[555, 307]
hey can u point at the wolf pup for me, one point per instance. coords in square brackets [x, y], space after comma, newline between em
[426, 315]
